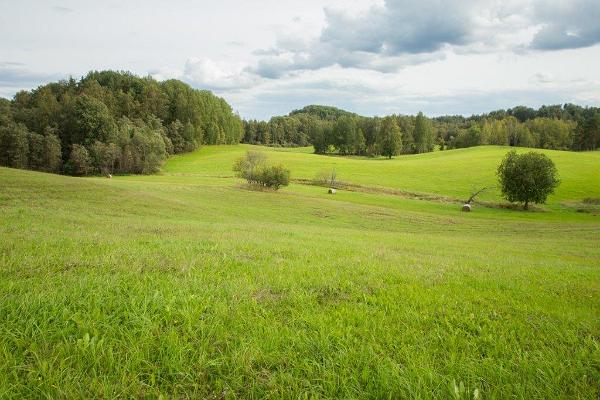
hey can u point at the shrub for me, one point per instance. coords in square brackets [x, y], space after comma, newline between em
[326, 178]
[255, 171]
[274, 176]
[248, 167]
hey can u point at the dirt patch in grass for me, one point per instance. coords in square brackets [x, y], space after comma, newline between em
[588, 206]
[267, 295]
[353, 187]
[320, 214]
[592, 201]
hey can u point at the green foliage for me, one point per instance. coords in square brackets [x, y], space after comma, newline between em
[389, 139]
[567, 127]
[14, 145]
[79, 161]
[273, 176]
[347, 136]
[323, 112]
[248, 167]
[527, 178]
[587, 135]
[423, 135]
[254, 169]
[52, 153]
[90, 121]
[37, 149]
[104, 157]
[102, 107]
[552, 133]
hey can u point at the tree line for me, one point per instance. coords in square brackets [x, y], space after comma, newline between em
[343, 132]
[111, 122]
[328, 129]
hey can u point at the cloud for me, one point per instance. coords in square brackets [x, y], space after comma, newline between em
[15, 76]
[211, 74]
[400, 33]
[567, 25]
[383, 38]
[400, 27]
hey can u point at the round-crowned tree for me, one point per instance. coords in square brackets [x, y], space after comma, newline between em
[527, 178]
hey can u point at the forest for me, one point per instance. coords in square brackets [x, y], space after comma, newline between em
[110, 122]
[557, 127]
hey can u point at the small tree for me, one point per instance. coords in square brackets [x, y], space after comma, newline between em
[255, 171]
[527, 178]
[248, 167]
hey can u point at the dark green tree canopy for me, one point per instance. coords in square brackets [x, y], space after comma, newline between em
[390, 138]
[560, 127]
[527, 178]
[124, 123]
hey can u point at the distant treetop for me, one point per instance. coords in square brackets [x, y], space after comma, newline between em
[324, 112]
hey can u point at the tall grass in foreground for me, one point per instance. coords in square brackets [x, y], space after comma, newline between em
[189, 287]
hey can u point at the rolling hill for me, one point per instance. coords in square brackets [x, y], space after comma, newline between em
[186, 284]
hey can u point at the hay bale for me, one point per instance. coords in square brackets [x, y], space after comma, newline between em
[331, 191]
[466, 207]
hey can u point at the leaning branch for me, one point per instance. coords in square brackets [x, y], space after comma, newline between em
[477, 193]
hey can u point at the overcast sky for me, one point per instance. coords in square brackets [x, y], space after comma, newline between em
[268, 57]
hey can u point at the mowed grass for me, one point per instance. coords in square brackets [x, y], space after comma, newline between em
[187, 285]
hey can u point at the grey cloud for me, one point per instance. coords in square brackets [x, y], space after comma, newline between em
[398, 33]
[567, 25]
[401, 26]
[14, 74]
[384, 38]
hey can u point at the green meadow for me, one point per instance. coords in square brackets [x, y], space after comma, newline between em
[185, 284]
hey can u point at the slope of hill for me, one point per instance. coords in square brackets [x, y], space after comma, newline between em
[187, 285]
[452, 173]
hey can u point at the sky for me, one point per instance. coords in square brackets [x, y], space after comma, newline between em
[268, 57]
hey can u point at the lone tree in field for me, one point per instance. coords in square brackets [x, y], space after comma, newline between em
[527, 178]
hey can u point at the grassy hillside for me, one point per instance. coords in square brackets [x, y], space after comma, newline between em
[452, 173]
[187, 285]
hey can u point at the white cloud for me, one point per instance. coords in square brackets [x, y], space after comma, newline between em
[371, 56]
[218, 75]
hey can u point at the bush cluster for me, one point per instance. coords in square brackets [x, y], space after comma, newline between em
[255, 170]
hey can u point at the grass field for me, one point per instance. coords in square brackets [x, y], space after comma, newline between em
[186, 285]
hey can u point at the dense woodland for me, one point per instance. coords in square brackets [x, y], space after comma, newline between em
[567, 127]
[110, 122]
[115, 122]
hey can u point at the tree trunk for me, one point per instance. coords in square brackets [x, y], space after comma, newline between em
[526, 206]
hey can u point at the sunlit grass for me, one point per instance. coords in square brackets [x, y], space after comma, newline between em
[186, 285]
